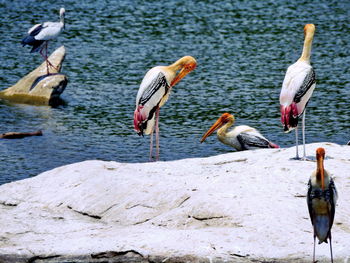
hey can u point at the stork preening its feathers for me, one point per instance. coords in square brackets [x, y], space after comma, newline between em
[154, 92]
[298, 85]
[39, 35]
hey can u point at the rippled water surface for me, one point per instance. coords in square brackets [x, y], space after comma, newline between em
[242, 48]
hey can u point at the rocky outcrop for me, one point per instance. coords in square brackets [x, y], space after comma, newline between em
[239, 207]
[37, 87]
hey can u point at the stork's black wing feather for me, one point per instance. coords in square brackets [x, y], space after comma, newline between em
[309, 201]
[309, 80]
[155, 86]
[31, 41]
[36, 30]
[247, 140]
[332, 200]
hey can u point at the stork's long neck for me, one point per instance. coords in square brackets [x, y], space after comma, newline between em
[320, 172]
[223, 130]
[305, 56]
[62, 20]
[176, 66]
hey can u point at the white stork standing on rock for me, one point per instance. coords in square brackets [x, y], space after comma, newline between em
[297, 88]
[39, 35]
[241, 137]
[321, 201]
[154, 92]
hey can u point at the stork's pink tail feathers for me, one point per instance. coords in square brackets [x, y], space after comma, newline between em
[139, 117]
[273, 145]
[289, 116]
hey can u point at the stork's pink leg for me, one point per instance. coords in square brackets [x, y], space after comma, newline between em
[151, 146]
[157, 134]
[45, 56]
[303, 130]
[296, 143]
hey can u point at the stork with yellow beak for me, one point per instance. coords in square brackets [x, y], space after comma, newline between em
[241, 137]
[154, 92]
[298, 85]
[321, 201]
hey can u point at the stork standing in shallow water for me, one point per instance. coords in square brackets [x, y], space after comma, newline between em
[154, 92]
[297, 88]
[241, 137]
[39, 35]
[321, 201]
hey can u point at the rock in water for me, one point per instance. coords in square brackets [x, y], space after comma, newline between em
[37, 87]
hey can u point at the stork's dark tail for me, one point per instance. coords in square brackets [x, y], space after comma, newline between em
[31, 41]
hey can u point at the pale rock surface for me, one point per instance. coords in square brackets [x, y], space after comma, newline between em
[238, 207]
[37, 87]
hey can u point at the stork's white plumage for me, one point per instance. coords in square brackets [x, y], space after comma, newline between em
[240, 137]
[321, 200]
[297, 88]
[154, 92]
[39, 35]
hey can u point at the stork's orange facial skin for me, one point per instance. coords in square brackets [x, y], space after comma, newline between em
[187, 68]
[224, 118]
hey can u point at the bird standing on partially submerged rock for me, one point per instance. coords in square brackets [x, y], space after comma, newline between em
[39, 35]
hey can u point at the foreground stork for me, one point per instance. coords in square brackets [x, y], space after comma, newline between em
[297, 88]
[321, 201]
[39, 35]
[154, 92]
[241, 137]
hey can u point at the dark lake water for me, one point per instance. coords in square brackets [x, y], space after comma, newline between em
[243, 49]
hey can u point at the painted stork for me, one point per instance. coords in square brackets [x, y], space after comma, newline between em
[154, 92]
[298, 85]
[39, 35]
[241, 137]
[321, 201]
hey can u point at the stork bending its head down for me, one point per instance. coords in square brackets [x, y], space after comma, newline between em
[240, 137]
[39, 35]
[154, 92]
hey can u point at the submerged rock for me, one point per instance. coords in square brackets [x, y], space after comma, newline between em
[37, 87]
[239, 207]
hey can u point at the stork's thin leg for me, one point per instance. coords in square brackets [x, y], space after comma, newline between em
[41, 51]
[157, 134]
[303, 123]
[296, 143]
[313, 258]
[47, 61]
[44, 56]
[330, 246]
[151, 145]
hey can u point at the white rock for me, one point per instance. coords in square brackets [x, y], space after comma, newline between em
[249, 203]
